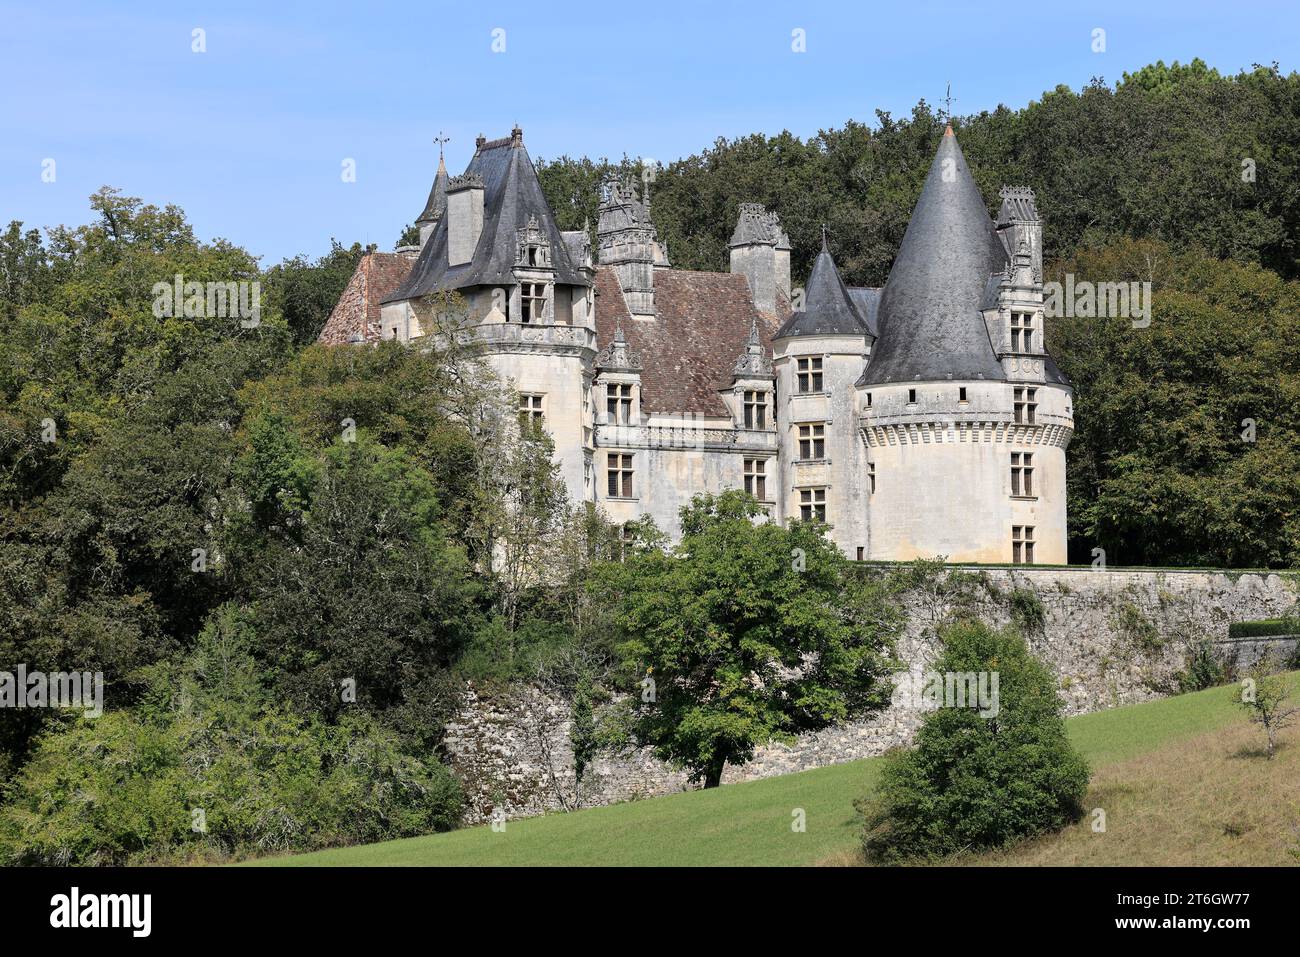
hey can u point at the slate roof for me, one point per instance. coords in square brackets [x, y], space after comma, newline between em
[511, 195]
[437, 204]
[930, 322]
[829, 309]
[355, 317]
[690, 349]
[867, 299]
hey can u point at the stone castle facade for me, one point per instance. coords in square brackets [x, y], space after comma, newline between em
[920, 419]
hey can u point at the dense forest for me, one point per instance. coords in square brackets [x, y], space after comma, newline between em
[278, 554]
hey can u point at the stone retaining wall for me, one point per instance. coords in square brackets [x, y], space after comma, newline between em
[1112, 637]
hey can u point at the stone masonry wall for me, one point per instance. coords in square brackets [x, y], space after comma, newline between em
[1112, 637]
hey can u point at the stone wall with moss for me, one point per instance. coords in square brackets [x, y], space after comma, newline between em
[1113, 637]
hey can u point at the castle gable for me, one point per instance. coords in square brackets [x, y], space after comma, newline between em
[355, 317]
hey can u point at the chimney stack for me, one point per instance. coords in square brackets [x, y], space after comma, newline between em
[627, 241]
[760, 251]
[464, 217]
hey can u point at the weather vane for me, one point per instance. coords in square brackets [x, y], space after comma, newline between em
[440, 139]
[947, 104]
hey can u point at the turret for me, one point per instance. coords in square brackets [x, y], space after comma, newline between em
[437, 202]
[819, 353]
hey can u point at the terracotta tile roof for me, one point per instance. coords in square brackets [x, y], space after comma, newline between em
[690, 348]
[357, 311]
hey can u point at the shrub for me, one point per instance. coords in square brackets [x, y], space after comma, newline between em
[1203, 669]
[974, 781]
[1027, 610]
[1264, 628]
[214, 769]
[1137, 628]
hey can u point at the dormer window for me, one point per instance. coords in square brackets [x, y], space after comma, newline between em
[534, 248]
[1022, 332]
[618, 402]
[911, 397]
[755, 410]
[532, 301]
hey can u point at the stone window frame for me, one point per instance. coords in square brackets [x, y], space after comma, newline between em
[1024, 404]
[754, 408]
[532, 407]
[810, 379]
[755, 477]
[815, 441]
[1022, 475]
[812, 503]
[1022, 544]
[530, 301]
[618, 403]
[1022, 331]
[620, 468]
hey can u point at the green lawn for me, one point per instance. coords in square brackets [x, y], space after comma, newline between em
[749, 823]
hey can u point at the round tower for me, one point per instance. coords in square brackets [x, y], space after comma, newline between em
[818, 355]
[965, 417]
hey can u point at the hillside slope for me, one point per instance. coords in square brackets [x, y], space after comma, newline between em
[1175, 776]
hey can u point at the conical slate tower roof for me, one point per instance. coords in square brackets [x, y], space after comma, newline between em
[930, 322]
[437, 204]
[828, 310]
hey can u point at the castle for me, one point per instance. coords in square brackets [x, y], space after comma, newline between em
[924, 418]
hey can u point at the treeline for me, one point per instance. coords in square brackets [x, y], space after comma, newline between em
[1178, 153]
[1175, 175]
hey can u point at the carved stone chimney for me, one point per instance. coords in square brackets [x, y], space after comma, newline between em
[1018, 223]
[628, 242]
[760, 250]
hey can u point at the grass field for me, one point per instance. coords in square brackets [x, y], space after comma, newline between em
[1176, 777]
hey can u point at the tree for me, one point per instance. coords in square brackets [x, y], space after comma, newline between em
[211, 764]
[370, 608]
[740, 635]
[1187, 436]
[1264, 696]
[410, 236]
[979, 776]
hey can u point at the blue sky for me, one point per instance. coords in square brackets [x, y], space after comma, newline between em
[250, 136]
